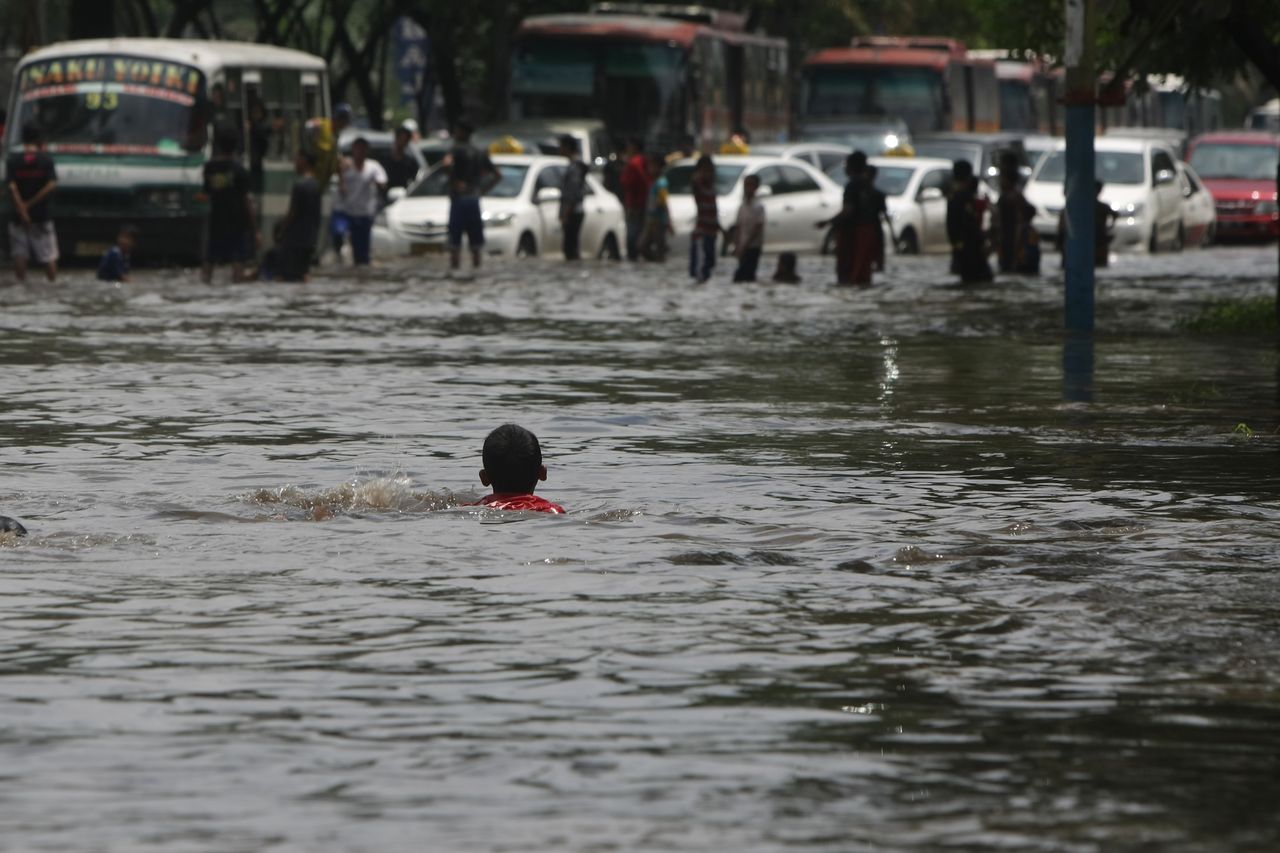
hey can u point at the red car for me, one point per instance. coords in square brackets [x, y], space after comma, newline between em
[1239, 168]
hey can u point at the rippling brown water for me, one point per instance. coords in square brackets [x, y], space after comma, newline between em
[843, 570]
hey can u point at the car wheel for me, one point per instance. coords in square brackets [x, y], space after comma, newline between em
[829, 242]
[1180, 239]
[1210, 235]
[908, 243]
[609, 248]
[527, 247]
[1153, 245]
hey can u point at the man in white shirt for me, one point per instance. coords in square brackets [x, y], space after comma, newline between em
[361, 181]
[749, 232]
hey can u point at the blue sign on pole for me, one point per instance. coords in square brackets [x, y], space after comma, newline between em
[412, 50]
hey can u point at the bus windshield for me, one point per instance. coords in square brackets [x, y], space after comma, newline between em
[112, 105]
[1017, 106]
[913, 94]
[635, 86]
[1244, 162]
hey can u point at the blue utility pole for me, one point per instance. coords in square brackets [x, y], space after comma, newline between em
[1079, 187]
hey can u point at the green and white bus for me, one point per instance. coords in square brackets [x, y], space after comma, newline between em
[128, 124]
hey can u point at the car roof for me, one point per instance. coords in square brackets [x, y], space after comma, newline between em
[778, 148]
[747, 160]
[973, 138]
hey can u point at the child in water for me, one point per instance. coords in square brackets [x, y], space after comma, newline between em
[513, 466]
[114, 265]
[8, 525]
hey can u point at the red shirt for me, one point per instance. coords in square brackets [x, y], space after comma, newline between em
[635, 183]
[527, 502]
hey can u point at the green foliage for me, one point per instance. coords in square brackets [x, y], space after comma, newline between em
[1234, 317]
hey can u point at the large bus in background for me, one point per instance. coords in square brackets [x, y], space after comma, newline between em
[127, 123]
[1030, 91]
[659, 72]
[931, 84]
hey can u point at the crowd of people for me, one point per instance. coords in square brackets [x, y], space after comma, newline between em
[975, 227]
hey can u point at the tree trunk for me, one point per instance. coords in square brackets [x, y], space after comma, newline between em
[1253, 43]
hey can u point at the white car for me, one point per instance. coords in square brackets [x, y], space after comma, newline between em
[1140, 182]
[796, 197]
[915, 191]
[1199, 216]
[824, 155]
[521, 214]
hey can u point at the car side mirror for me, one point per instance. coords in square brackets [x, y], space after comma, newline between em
[395, 194]
[929, 194]
[547, 194]
[1165, 176]
[764, 192]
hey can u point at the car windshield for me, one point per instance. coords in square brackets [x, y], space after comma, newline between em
[893, 180]
[1220, 160]
[437, 183]
[1110, 167]
[678, 178]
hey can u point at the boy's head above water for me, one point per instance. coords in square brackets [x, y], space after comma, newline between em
[512, 461]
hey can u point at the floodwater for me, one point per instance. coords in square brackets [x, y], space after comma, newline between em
[843, 570]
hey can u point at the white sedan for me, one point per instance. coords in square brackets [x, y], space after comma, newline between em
[521, 214]
[915, 191]
[795, 195]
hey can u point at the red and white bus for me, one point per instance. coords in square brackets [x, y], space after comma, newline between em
[1029, 92]
[661, 73]
[931, 84]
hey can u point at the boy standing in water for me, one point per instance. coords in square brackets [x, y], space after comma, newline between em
[749, 231]
[32, 179]
[513, 467]
[301, 224]
[231, 216]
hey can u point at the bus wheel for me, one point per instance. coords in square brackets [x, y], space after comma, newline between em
[908, 243]
[527, 247]
[609, 248]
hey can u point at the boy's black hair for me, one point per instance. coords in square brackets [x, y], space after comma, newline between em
[962, 169]
[32, 134]
[513, 459]
[856, 161]
[226, 139]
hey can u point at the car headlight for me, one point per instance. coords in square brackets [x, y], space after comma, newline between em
[498, 220]
[1267, 208]
[1134, 210]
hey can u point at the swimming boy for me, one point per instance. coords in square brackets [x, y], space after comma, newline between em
[513, 466]
[114, 265]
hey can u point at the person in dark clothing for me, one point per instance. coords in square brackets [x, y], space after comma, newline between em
[706, 224]
[114, 265]
[32, 180]
[965, 211]
[300, 226]
[232, 224]
[471, 175]
[1017, 243]
[635, 194]
[573, 191]
[259, 143]
[857, 225]
[400, 165]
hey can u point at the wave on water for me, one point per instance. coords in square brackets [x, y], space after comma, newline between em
[392, 493]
